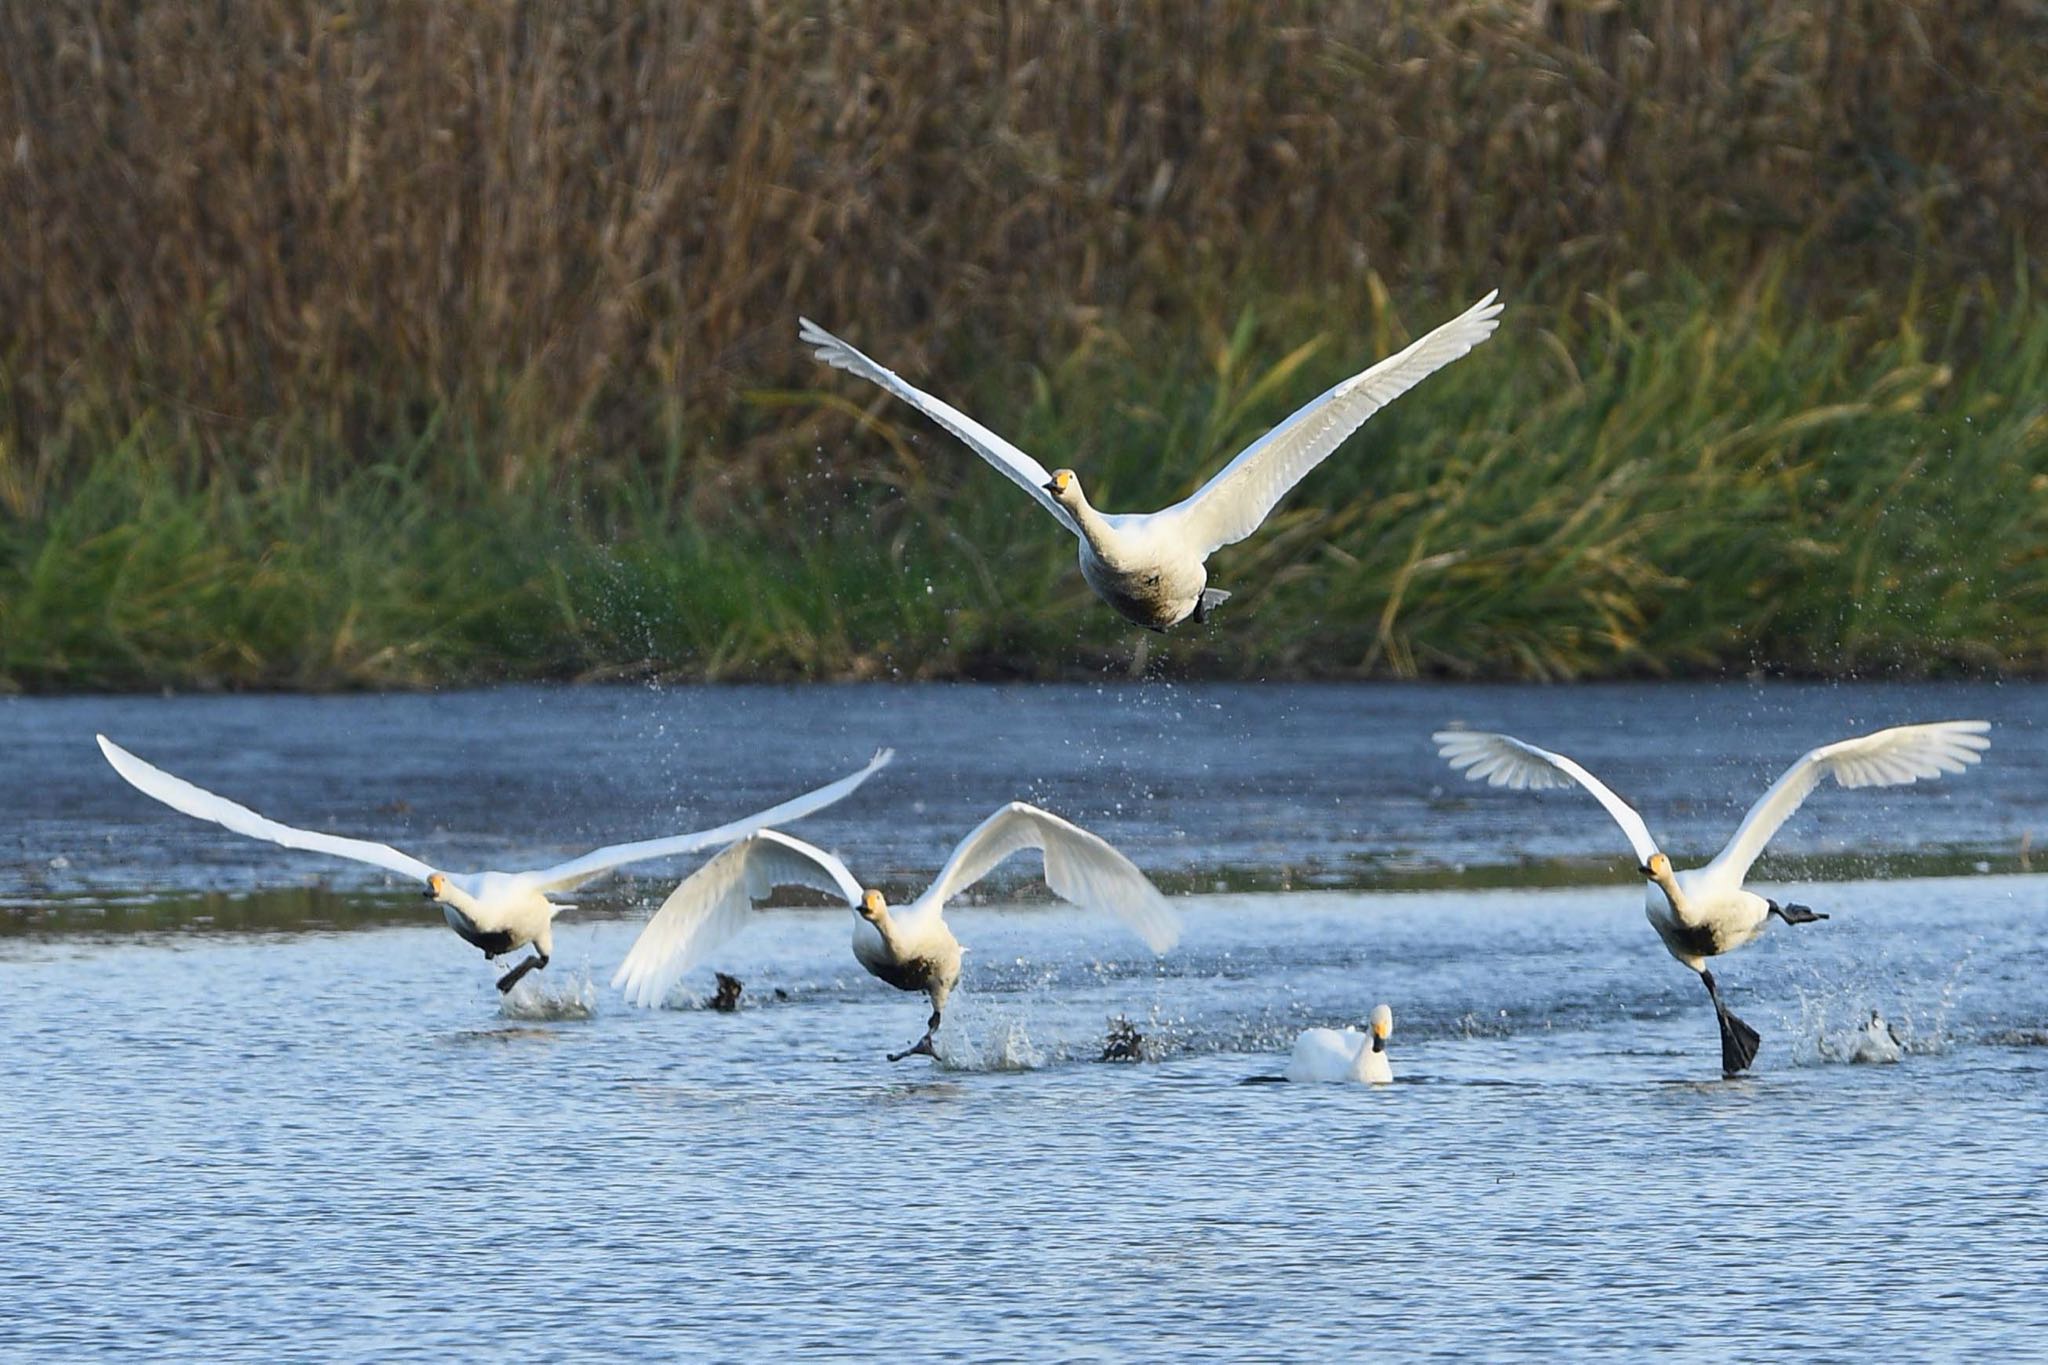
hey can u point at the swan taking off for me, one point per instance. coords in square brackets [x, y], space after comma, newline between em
[1325, 1054]
[499, 912]
[1152, 566]
[1705, 912]
[911, 949]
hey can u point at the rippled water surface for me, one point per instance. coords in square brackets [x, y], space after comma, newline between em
[293, 1135]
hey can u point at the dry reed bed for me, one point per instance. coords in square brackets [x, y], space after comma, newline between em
[577, 230]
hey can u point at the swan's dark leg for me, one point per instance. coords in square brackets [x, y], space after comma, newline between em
[511, 978]
[1793, 914]
[922, 1046]
[1739, 1041]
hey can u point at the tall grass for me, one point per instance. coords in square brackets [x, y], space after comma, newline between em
[1701, 482]
[580, 229]
[352, 344]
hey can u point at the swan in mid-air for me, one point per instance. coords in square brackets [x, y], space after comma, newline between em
[1704, 912]
[499, 912]
[1151, 566]
[1326, 1054]
[911, 949]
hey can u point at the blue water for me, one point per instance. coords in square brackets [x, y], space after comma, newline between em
[344, 1143]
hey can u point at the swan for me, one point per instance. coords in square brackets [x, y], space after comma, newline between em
[499, 912]
[1325, 1054]
[1151, 567]
[1704, 912]
[911, 949]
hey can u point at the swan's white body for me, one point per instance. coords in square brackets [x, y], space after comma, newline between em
[498, 912]
[911, 949]
[1704, 912]
[1152, 567]
[1346, 1056]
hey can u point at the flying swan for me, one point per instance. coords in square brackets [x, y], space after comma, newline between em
[911, 949]
[499, 912]
[1704, 912]
[1151, 566]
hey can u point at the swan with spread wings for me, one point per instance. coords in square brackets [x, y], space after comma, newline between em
[498, 912]
[910, 948]
[1152, 566]
[1704, 912]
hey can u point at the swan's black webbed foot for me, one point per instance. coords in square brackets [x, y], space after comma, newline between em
[1793, 914]
[922, 1047]
[1739, 1044]
[512, 978]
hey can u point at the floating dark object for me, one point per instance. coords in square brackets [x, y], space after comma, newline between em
[727, 999]
[1124, 1043]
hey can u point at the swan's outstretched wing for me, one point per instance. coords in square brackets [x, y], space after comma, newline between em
[563, 876]
[1231, 506]
[711, 906]
[181, 795]
[1079, 866]
[1889, 758]
[1027, 473]
[1504, 761]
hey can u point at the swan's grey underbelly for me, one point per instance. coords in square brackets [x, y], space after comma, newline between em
[494, 942]
[917, 974]
[1156, 597]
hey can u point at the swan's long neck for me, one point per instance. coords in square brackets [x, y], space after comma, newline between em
[1375, 1046]
[1099, 534]
[1667, 882]
[885, 925]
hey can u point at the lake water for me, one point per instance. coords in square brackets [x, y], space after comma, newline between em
[244, 1125]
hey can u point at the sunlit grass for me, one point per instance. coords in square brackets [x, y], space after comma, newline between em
[1701, 482]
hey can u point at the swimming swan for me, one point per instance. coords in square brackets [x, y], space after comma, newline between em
[911, 949]
[1705, 912]
[499, 912]
[1325, 1054]
[1151, 566]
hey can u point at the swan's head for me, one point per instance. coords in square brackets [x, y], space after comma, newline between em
[437, 887]
[871, 906]
[1658, 868]
[1382, 1022]
[1065, 487]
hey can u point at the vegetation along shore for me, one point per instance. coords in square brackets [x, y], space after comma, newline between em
[409, 345]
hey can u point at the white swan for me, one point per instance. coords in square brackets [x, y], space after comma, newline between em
[1151, 566]
[1704, 912]
[1325, 1054]
[499, 912]
[911, 949]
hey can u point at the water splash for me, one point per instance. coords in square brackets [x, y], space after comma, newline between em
[571, 996]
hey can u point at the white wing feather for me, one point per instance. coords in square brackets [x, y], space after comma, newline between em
[1888, 758]
[1079, 867]
[711, 905]
[1504, 761]
[563, 876]
[1232, 505]
[1021, 469]
[181, 795]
